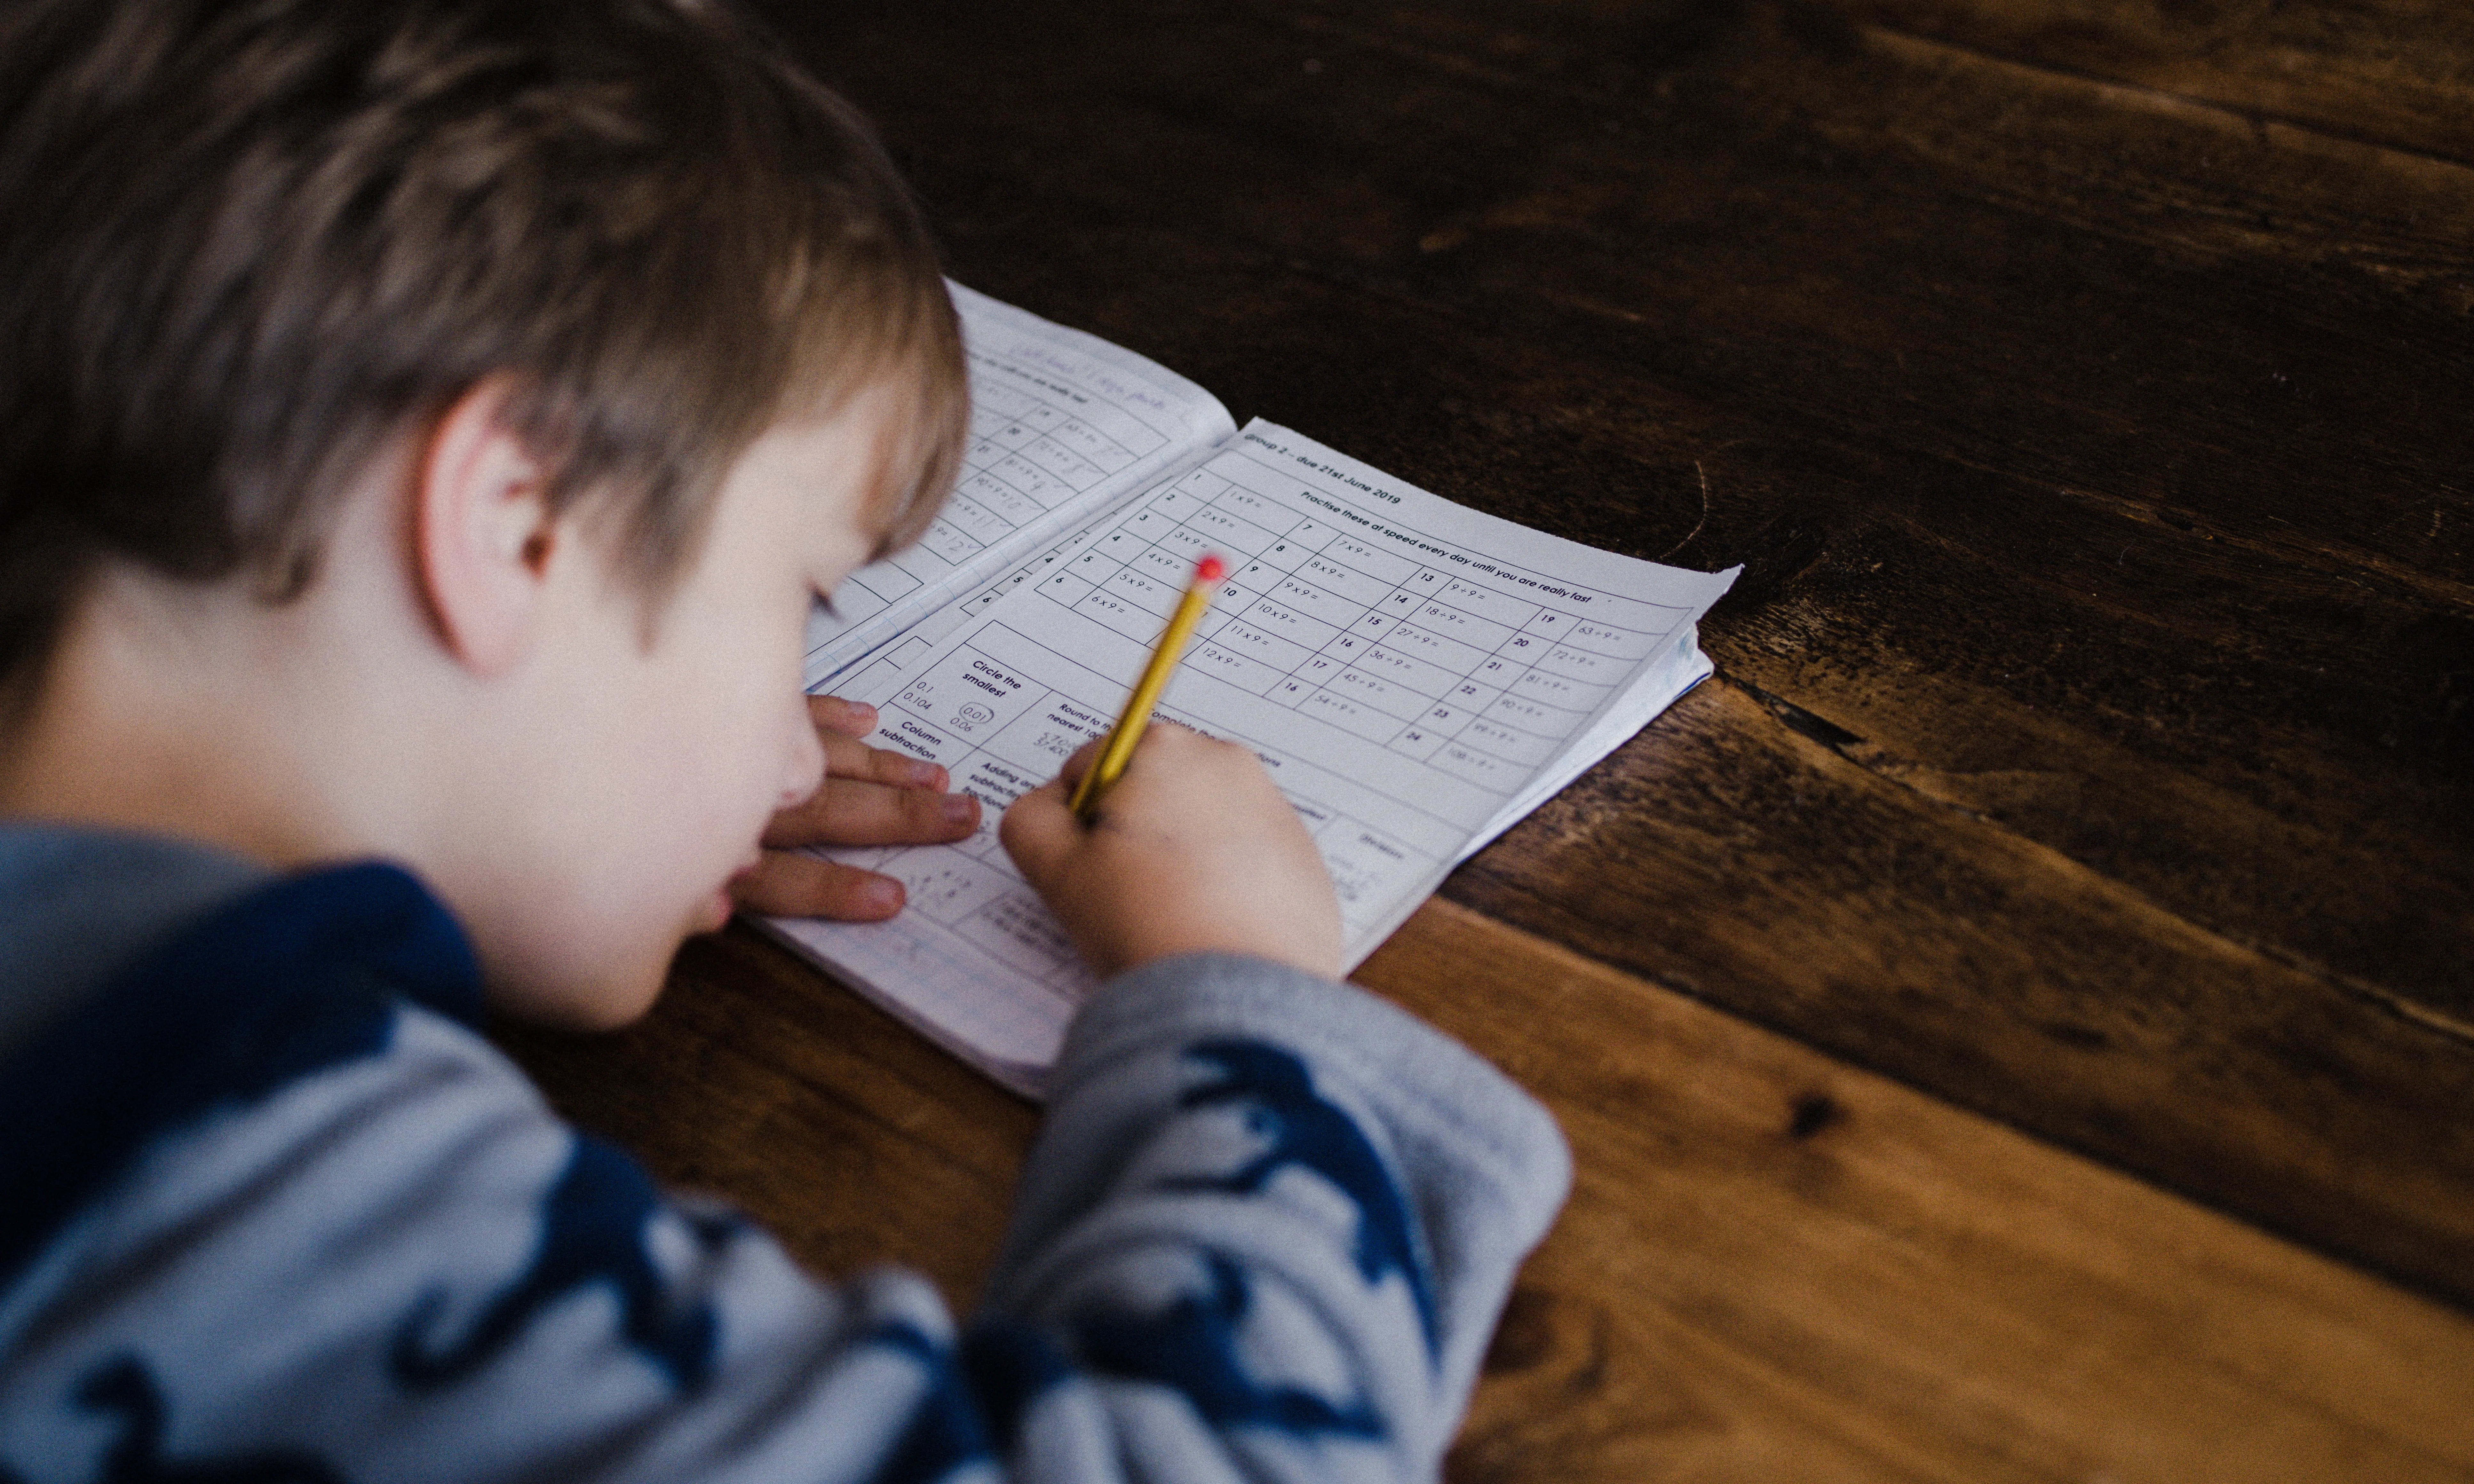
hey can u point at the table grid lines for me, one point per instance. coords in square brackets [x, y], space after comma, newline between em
[1316, 621]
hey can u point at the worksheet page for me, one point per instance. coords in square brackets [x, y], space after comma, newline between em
[1410, 669]
[1062, 426]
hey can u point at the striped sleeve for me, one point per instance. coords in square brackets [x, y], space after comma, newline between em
[1263, 1234]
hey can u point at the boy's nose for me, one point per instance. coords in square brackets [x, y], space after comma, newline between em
[805, 769]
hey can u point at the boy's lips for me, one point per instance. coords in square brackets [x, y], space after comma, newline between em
[716, 909]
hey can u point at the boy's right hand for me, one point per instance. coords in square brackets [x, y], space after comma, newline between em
[1194, 850]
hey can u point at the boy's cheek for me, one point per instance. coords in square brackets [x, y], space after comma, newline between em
[571, 991]
[612, 1006]
[714, 914]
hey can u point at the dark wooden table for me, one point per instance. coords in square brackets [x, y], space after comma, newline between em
[2016, 1023]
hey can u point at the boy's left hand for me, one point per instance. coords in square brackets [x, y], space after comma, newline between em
[869, 796]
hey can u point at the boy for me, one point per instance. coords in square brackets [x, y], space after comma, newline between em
[426, 425]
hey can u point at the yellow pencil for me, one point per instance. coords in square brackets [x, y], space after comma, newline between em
[1137, 714]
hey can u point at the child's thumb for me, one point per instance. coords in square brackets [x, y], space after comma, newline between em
[1039, 831]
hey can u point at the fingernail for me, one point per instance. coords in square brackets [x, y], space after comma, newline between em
[860, 714]
[960, 809]
[884, 893]
[927, 775]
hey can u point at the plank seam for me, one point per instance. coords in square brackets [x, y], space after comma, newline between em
[2329, 558]
[2347, 562]
[2255, 118]
[1836, 740]
[2262, 1220]
[2403, 1006]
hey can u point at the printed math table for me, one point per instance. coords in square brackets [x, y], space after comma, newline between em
[1403, 676]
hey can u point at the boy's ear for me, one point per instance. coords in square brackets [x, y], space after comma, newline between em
[482, 532]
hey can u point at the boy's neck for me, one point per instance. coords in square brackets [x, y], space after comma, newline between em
[202, 713]
[152, 720]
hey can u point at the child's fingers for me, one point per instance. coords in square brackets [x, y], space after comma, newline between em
[871, 797]
[849, 812]
[831, 714]
[796, 886]
[1039, 829]
[1195, 849]
[847, 757]
[1076, 765]
[1041, 833]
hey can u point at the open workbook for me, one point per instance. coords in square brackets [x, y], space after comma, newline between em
[1416, 675]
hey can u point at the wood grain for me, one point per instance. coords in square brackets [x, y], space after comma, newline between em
[2055, 997]
[2065, 892]
[1773, 1265]
[2393, 71]
[1969, 257]
[1777, 1267]
[2094, 438]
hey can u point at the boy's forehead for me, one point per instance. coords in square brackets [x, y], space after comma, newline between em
[841, 460]
[882, 442]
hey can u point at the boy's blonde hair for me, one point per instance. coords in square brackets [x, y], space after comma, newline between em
[246, 245]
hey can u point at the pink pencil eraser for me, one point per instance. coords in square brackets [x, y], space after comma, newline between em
[1211, 569]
